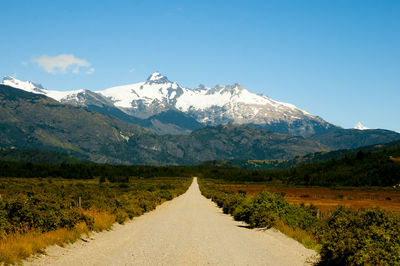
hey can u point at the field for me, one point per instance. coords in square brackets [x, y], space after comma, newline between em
[356, 235]
[37, 212]
[326, 199]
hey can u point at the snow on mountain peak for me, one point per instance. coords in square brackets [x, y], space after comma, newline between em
[360, 126]
[23, 85]
[34, 87]
[222, 104]
[156, 77]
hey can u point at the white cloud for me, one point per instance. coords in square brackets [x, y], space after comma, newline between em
[90, 71]
[24, 63]
[131, 70]
[61, 64]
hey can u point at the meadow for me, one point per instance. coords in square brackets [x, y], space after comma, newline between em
[38, 212]
[325, 198]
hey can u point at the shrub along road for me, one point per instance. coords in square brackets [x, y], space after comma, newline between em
[188, 230]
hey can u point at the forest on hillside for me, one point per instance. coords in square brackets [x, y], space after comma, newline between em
[364, 168]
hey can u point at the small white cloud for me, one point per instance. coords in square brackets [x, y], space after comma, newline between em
[24, 63]
[131, 70]
[61, 64]
[180, 9]
[90, 71]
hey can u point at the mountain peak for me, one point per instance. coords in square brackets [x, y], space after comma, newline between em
[10, 79]
[222, 104]
[7, 77]
[23, 85]
[156, 77]
[360, 126]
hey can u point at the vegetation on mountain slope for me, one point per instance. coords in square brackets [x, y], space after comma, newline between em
[36, 156]
[378, 168]
[354, 138]
[364, 168]
[32, 121]
[308, 158]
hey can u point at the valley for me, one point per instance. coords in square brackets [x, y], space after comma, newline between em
[94, 196]
[189, 229]
[199, 133]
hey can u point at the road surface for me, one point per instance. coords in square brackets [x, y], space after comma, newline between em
[188, 230]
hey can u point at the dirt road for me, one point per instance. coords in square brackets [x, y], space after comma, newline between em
[189, 230]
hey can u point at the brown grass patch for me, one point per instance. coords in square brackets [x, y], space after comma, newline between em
[103, 220]
[327, 199]
[22, 245]
[19, 246]
[395, 159]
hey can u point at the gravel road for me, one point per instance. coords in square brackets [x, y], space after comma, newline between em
[188, 230]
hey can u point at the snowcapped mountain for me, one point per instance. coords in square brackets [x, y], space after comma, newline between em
[360, 126]
[23, 85]
[38, 88]
[229, 104]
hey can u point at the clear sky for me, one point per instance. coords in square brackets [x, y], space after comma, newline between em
[336, 59]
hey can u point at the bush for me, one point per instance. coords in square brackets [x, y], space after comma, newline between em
[263, 210]
[265, 219]
[347, 237]
[33, 204]
[365, 237]
[31, 208]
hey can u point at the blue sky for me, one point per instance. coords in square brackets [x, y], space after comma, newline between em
[336, 59]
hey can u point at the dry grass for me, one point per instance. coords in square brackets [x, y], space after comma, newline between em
[327, 199]
[395, 159]
[299, 235]
[22, 245]
[103, 220]
[19, 246]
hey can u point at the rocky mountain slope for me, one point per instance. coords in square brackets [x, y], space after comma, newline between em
[220, 105]
[34, 121]
[354, 138]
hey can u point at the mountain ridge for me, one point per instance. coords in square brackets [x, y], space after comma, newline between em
[35, 121]
[222, 104]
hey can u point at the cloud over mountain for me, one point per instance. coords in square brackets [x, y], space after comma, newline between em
[62, 64]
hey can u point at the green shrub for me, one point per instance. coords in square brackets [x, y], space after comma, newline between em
[33, 204]
[243, 211]
[265, 219]
[365, 237]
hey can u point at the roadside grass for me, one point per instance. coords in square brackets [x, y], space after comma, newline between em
[18, 246]
[299, 235]
[342, 237]
[36, 213]
[102, 220]
[395, 159]
[21, 245]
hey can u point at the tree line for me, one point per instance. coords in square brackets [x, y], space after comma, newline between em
[379, 168]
